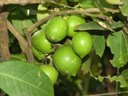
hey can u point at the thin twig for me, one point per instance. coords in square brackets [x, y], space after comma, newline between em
[21, 2]
[108, 94]
[86, 12]
[24, 45]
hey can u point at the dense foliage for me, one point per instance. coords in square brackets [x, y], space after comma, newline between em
[65, 48]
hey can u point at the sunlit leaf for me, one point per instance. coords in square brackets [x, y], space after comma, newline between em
[124, 8]
[115, 2]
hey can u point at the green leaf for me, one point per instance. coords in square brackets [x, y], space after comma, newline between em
[115, 2]
[118, 44]
[124, 8]
[119, 79]
[99, 44]
[22, 25]
[96, 64]
[100, 78]
[86, 4]
[22, 79]
[93, 25]
[20, 57]
[86, 66]
[124, 73]
[42, 12]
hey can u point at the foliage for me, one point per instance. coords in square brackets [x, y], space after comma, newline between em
[105, 64]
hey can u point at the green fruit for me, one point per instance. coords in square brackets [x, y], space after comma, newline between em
[56, 29]
[82, 43]
[40, 42]
[73, 21]
[37, 54]
[66, 61]
[51, 72]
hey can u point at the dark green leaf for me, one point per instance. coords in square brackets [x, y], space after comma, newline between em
[96, 64]
[86, 66]
[22, 79]
[99, 44]
[99, 26]
[118, 44]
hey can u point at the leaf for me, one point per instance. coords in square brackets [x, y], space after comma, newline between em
[93, 25]
[124, 8]
[96, 64]
[20, 57]
[124, 73]
[86, 66]
[100, 78]
[20, 20]
[118, 44]
[119, 79]
[99, 44]
[42, 12]
[115, 2]
[22, 79]
[86, 4]
[22, 25]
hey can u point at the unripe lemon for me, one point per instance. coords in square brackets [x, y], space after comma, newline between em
[82, 43]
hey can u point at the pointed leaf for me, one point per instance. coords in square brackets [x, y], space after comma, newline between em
[118, 44]
[22, 79]
[22, 25]
[86, 66]
[93, 25]
[99, 44]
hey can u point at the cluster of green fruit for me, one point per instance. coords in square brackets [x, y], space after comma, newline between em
[67, 58]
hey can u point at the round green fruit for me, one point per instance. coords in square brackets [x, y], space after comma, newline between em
[82, 43]
[66, 61]
[56, 29]
[40, 42]
[73, 21]
[51, 72]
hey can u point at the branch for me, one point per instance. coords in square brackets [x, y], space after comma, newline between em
[24, 45]
[86, 12]
[4, 38]
[21, 2]
[110, 94]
